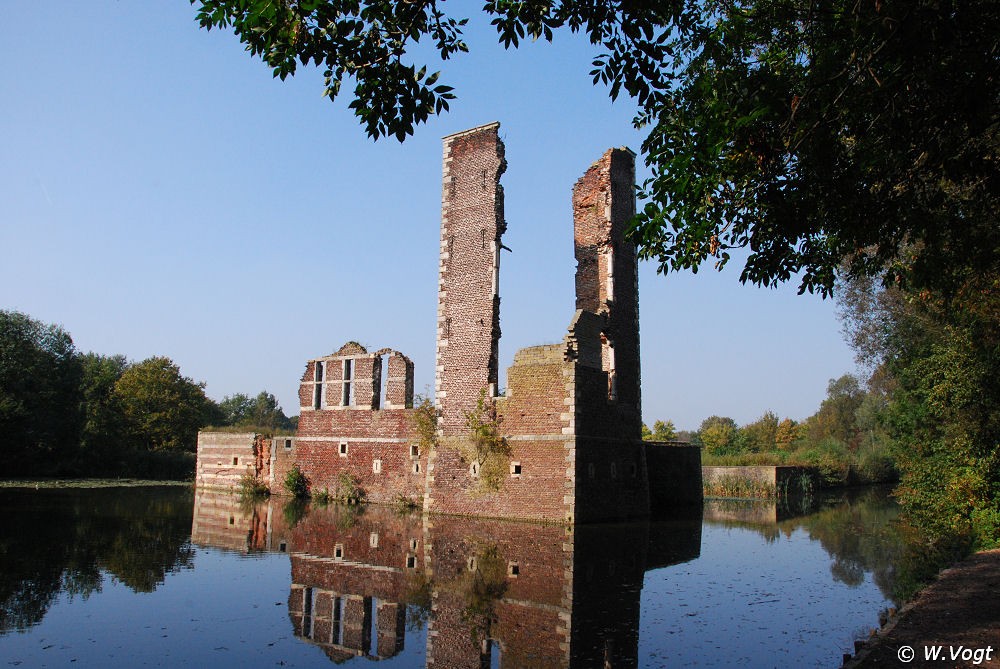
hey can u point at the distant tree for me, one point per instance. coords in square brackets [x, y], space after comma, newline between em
[664, 431]
[786, 434]
[39, 394]
[262, 411]
[836, 418]
[761, 435]
[103, 427]
[718, 434]
[647, 434]
[162, 409]
[236, 409]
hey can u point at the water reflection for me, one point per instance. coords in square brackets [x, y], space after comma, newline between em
[856, 528]
[280, 582]
[66, 540]
[491, 592]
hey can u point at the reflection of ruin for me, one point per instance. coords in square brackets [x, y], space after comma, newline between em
[492, 592]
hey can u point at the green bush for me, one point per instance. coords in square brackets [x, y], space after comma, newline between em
[252, 487]
[296, 483]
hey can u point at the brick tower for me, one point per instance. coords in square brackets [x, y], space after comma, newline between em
[468, 328]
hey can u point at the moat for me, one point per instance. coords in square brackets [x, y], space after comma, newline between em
[168, 577]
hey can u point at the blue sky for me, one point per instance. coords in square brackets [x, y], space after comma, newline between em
[163, 195]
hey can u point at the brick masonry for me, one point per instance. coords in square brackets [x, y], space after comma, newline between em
[572, 411]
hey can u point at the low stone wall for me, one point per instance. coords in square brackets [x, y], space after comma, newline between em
[775, 478]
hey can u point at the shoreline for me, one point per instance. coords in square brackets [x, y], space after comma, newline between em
[957, 613]
[50, 484]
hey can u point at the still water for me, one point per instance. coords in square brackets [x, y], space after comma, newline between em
[169, 577]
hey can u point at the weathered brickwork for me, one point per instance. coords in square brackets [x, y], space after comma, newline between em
[472, 223]
[224, 458]
[571, 416]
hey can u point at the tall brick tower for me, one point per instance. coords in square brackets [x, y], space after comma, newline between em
[472, 222]
[607, 277]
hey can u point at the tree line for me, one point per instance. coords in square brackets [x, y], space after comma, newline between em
[67, 413]
[844, 438]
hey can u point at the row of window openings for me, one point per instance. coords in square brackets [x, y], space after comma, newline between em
[347, 396]
[336, 628]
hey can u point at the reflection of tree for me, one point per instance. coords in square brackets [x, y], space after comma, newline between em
[63, 540]
[861, 535]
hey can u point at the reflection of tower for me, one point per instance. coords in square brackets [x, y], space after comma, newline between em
[499, 593]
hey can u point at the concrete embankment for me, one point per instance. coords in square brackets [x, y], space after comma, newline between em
[954, 622]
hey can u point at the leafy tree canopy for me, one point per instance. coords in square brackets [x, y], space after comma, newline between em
[806, 133]
[39, 376]
[163, 410]
[262, 411]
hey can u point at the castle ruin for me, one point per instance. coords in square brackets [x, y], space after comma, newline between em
[570, 420]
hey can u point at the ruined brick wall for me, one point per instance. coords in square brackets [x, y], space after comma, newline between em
[350, 432]
[537, 423]
[607, 279]
[224, 457]
[472, 223]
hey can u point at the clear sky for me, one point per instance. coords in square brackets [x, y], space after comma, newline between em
[161, 194]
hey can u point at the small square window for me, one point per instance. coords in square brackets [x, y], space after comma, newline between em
[343, 449]
[414, 451]
[232, 520]
[411, 561]
[288, 444]
[513, 569]
[236, 461]
[282, 547]
[338, 552]
[377, 466]
[515, 469]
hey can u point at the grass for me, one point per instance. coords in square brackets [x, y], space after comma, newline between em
[88, 483]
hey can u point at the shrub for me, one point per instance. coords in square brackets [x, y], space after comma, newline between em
[253, 487]
[296, 483]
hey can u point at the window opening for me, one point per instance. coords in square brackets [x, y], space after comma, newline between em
[411, 561]
[347, 398]
[343, 449]
[513, 569]
[377, 466]
[383, 387]
[288, 444]
[373, 539]
[319, 399]
[236, 461]
[338, 552]
[416, 467]
[515, 469]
